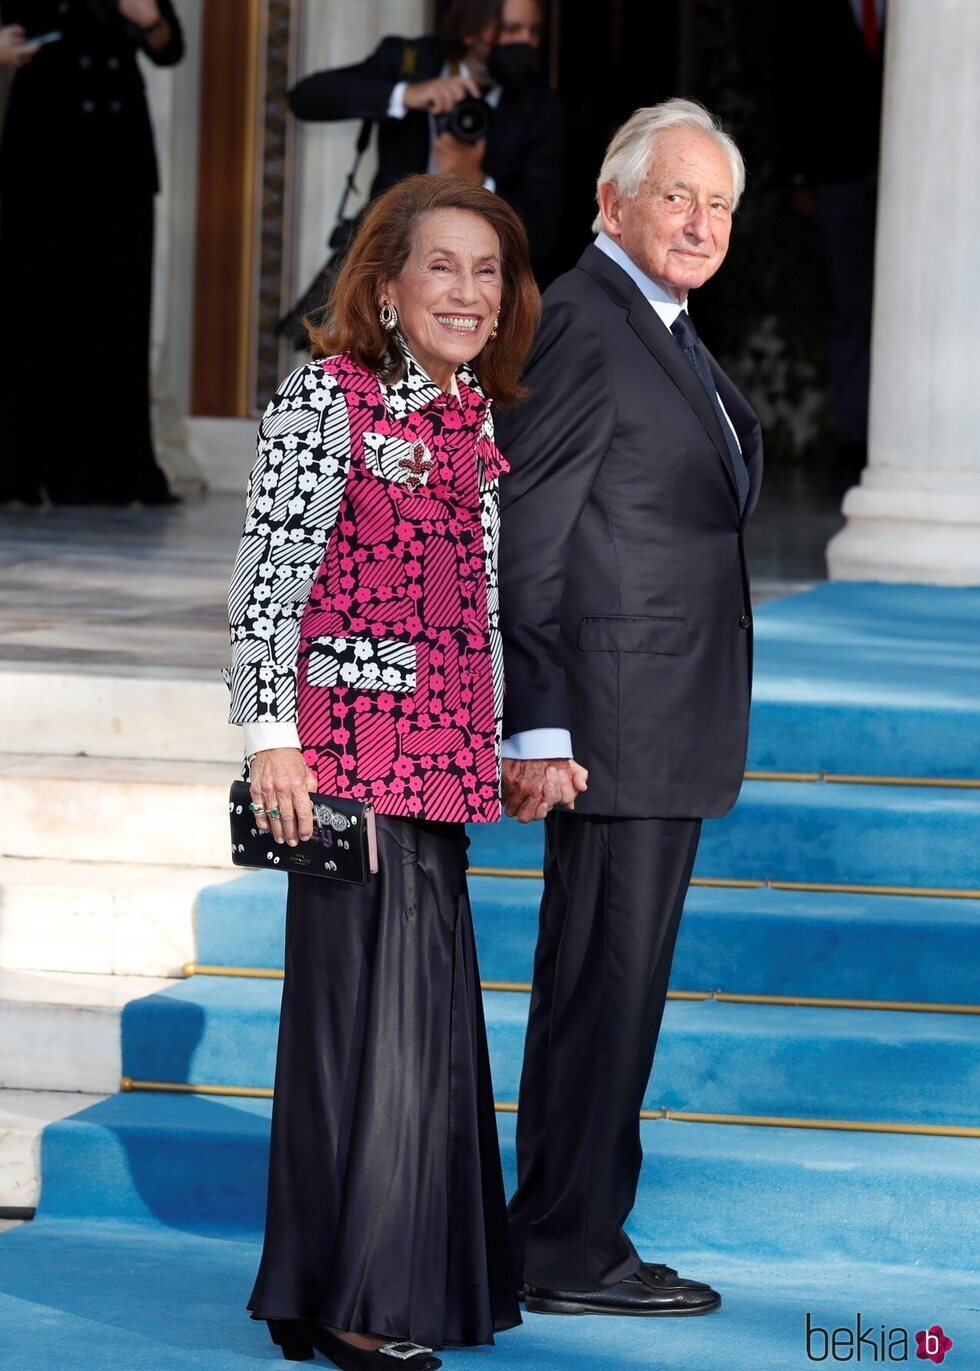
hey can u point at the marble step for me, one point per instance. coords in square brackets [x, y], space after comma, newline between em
[101, 918]
[61, 1030]
[24, 1114]
[104, 809]
[131, 715]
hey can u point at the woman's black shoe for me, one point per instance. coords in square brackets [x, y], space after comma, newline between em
[388, 1357]
[290, 1335]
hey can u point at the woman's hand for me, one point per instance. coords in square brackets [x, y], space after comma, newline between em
[281, 780]
[14, 51]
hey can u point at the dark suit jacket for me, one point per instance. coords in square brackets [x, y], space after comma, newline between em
[624, 593]
[77, 116]
[525, 146]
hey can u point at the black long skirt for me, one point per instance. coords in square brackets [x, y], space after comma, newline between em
[386, 1209]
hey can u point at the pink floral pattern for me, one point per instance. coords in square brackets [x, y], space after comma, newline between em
[399, 683]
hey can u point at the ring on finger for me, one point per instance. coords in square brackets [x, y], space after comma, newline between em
[273, 813]
[257, 809]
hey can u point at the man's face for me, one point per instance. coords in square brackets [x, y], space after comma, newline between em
[520, 22]
[676, 228]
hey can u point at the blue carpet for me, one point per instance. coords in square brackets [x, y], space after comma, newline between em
[713, 1057]
[152, 1206]
[197, 1164]
[794, 831]
[757, 941]
[842, 672]
[107, 1297]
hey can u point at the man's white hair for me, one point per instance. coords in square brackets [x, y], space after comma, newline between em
[627, 158]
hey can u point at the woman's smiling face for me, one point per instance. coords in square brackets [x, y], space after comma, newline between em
[448, 293]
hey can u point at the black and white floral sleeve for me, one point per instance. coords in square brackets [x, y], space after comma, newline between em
[294, 493]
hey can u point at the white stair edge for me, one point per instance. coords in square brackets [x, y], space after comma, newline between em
[24, 1114]
[73, 712]
[101, 918]
[114, 809]
[62, 1030]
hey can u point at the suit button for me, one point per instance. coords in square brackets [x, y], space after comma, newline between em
[745, 621]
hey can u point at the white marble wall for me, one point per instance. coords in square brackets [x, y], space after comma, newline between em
[916, 514]
[173, 94]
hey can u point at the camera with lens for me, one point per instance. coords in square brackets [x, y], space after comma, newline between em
[469, 121]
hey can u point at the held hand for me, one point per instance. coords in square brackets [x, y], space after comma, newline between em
[282, 781]
[439, 96]
[452, 157]
[532, 788]
[14, 51]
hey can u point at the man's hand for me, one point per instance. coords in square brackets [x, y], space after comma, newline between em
[439, 96]
[281, 780]
[140, 12]
[452, 157]
[532, 788]
[15, 51]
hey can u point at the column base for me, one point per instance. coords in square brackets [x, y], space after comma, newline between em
[901, 534]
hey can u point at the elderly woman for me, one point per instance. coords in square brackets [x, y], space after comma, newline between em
[367, 665]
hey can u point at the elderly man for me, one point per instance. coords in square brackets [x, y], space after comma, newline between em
[627, 632]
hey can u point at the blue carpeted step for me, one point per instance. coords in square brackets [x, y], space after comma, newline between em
[756, 941]
[796, 831]
[712, 1058]
[847, 834]
[868, 679]
[114, 1297]
[789, 1062]
[198, 1164]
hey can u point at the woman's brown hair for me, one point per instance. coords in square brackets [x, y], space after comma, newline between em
[380, 250]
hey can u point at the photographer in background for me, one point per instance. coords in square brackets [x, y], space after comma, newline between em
[469, 104]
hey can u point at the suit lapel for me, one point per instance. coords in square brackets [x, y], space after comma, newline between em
[658, 339]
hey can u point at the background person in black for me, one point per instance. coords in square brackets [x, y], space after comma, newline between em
[78, 174]
[407, 83]
[828, 153]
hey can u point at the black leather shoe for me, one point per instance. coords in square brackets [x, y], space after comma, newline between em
[669, 1279]
[645, 1292]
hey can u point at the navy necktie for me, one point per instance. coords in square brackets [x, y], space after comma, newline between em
[686, 335]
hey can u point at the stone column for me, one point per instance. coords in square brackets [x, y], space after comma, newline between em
[916, 514]
[172, 93]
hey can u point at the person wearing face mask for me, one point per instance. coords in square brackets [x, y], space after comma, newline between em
[488, 51]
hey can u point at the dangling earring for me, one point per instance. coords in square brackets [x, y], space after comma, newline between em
[387, 315]
[496, 325]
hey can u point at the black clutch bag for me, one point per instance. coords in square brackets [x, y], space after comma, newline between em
[344, 846]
